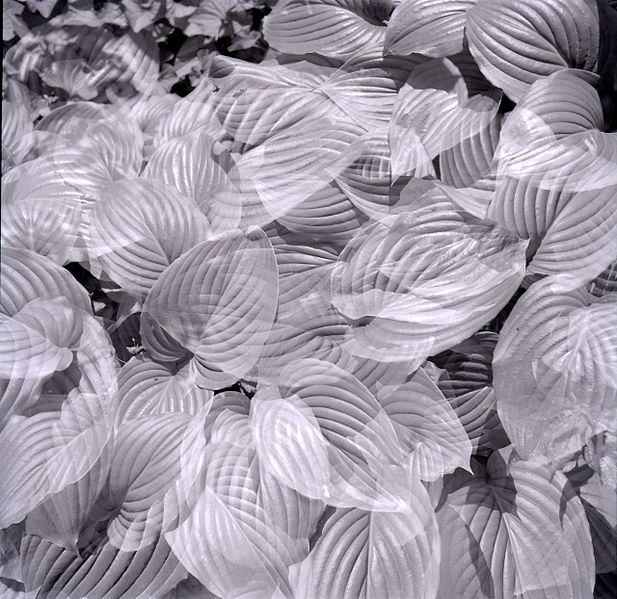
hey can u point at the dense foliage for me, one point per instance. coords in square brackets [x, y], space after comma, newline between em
[309, 299]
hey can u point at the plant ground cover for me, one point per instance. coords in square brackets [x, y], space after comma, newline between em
[309, 299]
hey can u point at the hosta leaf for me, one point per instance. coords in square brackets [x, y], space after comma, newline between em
[192, 165]
[51, 571]
[324, 434]
[416, 284]
[253, 102]
[26, 276]
[467, 382]
[558, 344]
[516, 43]
[464, 163]
[560, 123]
[148, 388]
[434, 112]
[514, 531]
[145, 466]
[38, 340]
[218, 301]
[428, 428]
[64, 516]
[291, 167]
[138, 228]
[326, 215]
[337, 28]
[44, 453]
[245, 528]
[374, 554]
[17, 137]
[430, 27]
[193, 112]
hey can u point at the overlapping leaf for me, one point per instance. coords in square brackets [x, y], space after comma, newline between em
[324, 434]
[434, 112]
[245, 528]
[44, 453]
[428, 428]
[513, 531]
[218, 301]
[415, 284]
[138, 228]
[192, 165]
[148, 388]
[374, 554]
[428, 27]
[516, 43]
[337, 28]
[558, 344]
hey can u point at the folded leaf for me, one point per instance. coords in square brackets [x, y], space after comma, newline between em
[558, 344]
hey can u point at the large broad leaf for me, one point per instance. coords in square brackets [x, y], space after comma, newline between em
[513, 531]
[516, 43]
[435, 111]
[323, 433]
[64, 517]
[218, 301]
[416, 284]
[244, 528]
[374, 554]
[430, 27]
[138, 228]
[559, 345]
[193, 166]
[337, 28]
[44, 453]
[146, 387]
[428, 428]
